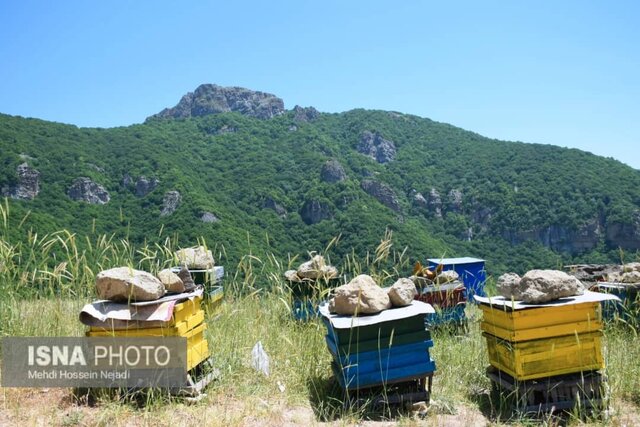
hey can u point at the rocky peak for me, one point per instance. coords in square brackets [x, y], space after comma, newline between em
[85, 190]
[434, 202]
[213, 99]
[28, 185]
[305, 114]
[375, 146]
[419, 200]
[145, 186]
[170, 202]
[382, 192]
[314, 211]
[332, 171]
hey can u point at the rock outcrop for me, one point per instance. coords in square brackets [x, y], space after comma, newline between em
[145, 186]
[375, 146]
[209, 218]
[626, 234]
[84, 189]
[170, 202]
[332, 172]
[314, 211]
[213, 99]
[305, 114]
[126, 284]
[419, 200]
[27, 186]
[434, 202]
[269, 203]
[402, 292]
[382, 192]
[539, 286]
[196, 258]
[360, 296]
[454, 201]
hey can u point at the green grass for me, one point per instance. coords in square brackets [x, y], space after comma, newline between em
[257, 307]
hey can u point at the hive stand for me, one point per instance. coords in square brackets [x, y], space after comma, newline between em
[552, 394]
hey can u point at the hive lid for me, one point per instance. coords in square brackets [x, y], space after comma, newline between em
[455, 261]
[345, 322]
[587, 297]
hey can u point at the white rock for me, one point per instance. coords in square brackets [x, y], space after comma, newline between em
[402, 293]
[539, 286]
[196, 258]
[360, 296]
[171, 281]
[126, 284]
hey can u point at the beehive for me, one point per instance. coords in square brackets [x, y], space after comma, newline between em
[386, 348]
[187, 321]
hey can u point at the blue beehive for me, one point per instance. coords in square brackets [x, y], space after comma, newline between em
[471, 271]
[385, 348]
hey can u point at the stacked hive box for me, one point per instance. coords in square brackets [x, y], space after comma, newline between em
[470, 270]
[187, 321]
[391, 347]
[628, 308]
[449, 301]
[537, 349]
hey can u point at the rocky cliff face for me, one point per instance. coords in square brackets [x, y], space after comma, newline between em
[375, 146]
[27, 186]
[314, 211]
[332, 172]
[85, 190]
[145, 186]
[213, 99]
[305, 114]
[624, 234]
[170, 202]
[269, 203]
[382, 192]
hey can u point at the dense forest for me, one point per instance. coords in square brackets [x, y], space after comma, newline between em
[291, 183]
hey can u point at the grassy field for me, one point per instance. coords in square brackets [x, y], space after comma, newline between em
[45, 282]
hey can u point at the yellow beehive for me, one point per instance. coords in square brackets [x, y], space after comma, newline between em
[542, 322]
[547, 357]
[187, 322]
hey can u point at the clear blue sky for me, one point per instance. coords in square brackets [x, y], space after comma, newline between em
[556, 72]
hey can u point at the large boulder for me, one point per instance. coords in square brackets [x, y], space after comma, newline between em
[332, 172]
[28, 185]
[196, 258]
[402, 293]
[171, 281]
[314, 211]
[382, 192]
[539, 286]
[506, 282]
[126, 284]
[360, 296]
[145, 186]
[170, 202]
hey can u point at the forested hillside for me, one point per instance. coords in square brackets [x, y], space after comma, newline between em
[290, 181]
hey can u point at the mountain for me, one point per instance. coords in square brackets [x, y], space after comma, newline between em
[234, 166]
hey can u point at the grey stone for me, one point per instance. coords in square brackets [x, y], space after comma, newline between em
[170, 202]
[419, 200]
[332, 172]
[126, 284]
[126, 179]
[593, 272]
[145, 186]
[292, 276]
[84, 189]
[382, 192]
[171, 281]
[538, 286]
[314, 211]
[213, 99]
[402, 292]
[196, 258]
[455, 201]
[360, 296]
[187, 280]
[375, 146]
[446, 277]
